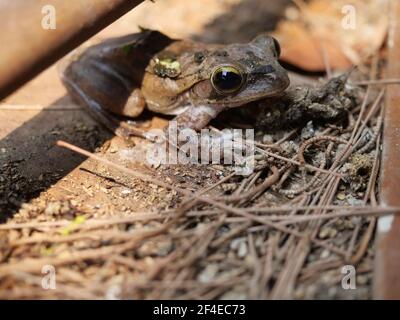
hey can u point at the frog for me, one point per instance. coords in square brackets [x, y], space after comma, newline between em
[189, 80]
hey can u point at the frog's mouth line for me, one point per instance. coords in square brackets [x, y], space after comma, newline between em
[238, 103]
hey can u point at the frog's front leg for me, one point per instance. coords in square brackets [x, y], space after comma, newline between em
[196, 117]
[184, 135]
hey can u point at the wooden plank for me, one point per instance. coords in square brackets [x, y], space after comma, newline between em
[387, 270]
[31, 47]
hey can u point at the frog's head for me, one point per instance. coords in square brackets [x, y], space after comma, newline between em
[240, 73]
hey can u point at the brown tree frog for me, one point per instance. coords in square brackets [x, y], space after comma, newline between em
[194, 81]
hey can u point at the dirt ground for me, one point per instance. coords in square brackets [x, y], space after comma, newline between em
[54, 202]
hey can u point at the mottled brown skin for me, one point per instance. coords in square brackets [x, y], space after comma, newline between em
[123, 76]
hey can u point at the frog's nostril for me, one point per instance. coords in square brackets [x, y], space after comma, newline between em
[271, 76]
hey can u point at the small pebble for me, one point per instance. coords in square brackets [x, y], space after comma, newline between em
[325, 254]
[341, 196]
[242, 251]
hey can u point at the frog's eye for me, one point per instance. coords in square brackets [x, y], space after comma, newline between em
[227, 79]
[277, 47]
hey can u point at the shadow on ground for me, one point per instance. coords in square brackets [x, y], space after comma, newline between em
[30, 162]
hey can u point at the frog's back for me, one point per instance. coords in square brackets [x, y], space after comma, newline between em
[129, 55]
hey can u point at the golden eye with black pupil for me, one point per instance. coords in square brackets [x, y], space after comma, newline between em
[227, 79]
[277, 47]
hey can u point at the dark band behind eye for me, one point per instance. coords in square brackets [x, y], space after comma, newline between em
[227, 79]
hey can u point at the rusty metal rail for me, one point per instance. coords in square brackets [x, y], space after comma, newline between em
[387, 269]
[27, 46]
